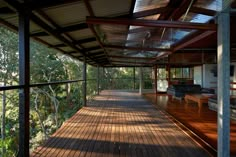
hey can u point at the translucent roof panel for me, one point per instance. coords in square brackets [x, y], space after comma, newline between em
[109, 33]
[210, 4]
[141, 53]
[132, 53]
[142, 5]
[175, 34]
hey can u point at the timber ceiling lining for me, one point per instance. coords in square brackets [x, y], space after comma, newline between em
[117, 32]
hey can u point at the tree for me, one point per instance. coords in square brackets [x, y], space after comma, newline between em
[8, 70]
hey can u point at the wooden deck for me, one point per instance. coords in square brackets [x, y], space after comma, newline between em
[120, 124]
[202, 121]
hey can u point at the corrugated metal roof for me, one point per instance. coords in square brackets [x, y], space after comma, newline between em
[50, 39]
[90, 44]
[66, 48]
[110, 8]
[68, 14]
[81, 34]
[57, 24]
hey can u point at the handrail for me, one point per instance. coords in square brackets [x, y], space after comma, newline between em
[3, 88]
[54, 83]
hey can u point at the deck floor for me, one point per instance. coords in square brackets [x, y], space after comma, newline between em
[120, 124]
[202, 122]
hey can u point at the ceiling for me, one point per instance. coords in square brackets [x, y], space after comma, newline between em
[116, 33]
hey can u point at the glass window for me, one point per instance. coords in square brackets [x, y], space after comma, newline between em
[161, 73]
[178, 72]
[186, 72]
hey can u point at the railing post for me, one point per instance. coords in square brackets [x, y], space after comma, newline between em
[134, 78]
[223, 96]
[155, 78]
[84, 82]
[98, 83]
[24, 72]
[140, 80]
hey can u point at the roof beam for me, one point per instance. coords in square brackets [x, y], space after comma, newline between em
[182, 9]
[89, 8]
[128, 62]
[135, 58]
[7, 24]
[72, 28]
[172, 6]
[149, 12]
[131, 10]
[135, 48]
[6, 10]
[14, 28]
[91, 13]
[123, 65]
[39, 34]
[86, 40]
[66, 29]
[193, 37]
[81, 41]
[99, 57]
[203, 11]
[151, 23]
[104, 60]
[50, 31]
[96, 53]
[92, 48]
[43, 25]
[162, 56]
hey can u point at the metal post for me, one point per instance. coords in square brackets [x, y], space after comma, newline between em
[140, 80]
[169, 79]
[98, 83]
[104, 79]
[24, 72]
[223, 54]
[134, 78]
[85, 82]
[155, 78]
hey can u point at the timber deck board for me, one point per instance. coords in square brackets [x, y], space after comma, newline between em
[119, 124]
[203, 122]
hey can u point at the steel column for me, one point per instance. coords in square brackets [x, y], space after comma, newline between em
[98, 83]
[133, 77]
[24, 72]
[223, 96]
[140, 80]
[169, 79]
[85, 82]
[155, 78]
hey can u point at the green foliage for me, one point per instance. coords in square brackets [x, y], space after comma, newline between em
[9, 146]
[50, 105]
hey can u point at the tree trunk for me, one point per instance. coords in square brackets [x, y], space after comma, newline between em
[39, 116]
[56, 104]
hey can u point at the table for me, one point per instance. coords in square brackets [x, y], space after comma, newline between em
[198, 98]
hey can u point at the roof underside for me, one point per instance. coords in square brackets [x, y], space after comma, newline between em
[112, 33]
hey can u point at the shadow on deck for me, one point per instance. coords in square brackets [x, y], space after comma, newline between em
[120, 124]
